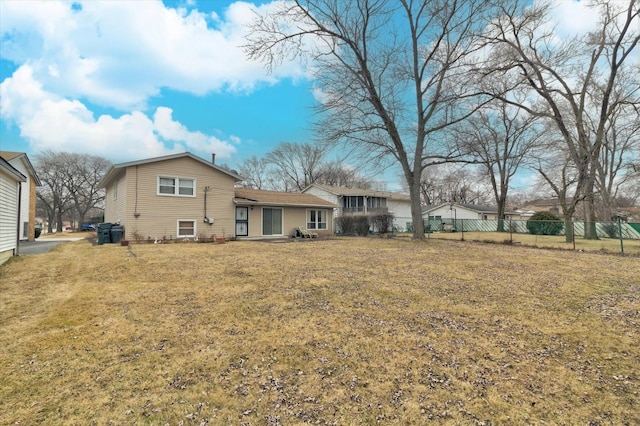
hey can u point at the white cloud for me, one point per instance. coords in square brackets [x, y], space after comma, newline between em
[574, 17]
[120, 53]
[49, 121]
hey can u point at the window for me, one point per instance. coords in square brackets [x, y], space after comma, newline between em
[271, 221]
[316, 219]
[186, 228]
[176, 186]
[115, 190]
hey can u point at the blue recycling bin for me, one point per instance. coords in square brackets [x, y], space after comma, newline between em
[117, 232]
[104, 233]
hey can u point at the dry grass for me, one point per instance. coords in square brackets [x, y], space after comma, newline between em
[344, 331]
[605, 245]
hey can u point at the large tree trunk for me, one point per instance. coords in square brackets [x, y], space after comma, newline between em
[501, 207]
[568, 228]
[590, 230]
[416, 208]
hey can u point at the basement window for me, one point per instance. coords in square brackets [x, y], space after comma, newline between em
[186, 228]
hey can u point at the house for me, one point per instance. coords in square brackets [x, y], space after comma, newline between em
[455, 211]
[183, 196]
[10, 195]
[21, 163]
[551, 204]
[365, 202]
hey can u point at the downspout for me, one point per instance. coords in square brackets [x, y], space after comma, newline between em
[206, 189]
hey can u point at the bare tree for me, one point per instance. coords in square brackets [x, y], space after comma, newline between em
[449, 183]
[393, 73]
[298, 164]
[614, 171]
[54, 199]
[576, 83]
[255, 173]
[82, 174]
[336, 173]
[499, 137]
[70, 184]
[554, 164]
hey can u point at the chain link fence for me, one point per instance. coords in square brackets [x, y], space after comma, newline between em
[616, 237]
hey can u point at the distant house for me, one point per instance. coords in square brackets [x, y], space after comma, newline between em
[551, 204]
[464, 211]
[20, 162]
[183, 196]
[10, 188]
[365, 202]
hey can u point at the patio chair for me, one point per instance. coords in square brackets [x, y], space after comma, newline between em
[303, 233]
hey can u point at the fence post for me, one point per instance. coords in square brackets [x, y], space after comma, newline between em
[573, 234]
[620, 234]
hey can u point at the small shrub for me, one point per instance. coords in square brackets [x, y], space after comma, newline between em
[611, 229]
[382, 223]
[362, 225]
[544, 223]
[346, 223]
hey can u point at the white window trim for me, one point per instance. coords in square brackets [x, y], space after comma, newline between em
[177, 188]
[325, 213]
[195, 228]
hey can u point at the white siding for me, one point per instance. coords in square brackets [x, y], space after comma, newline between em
[447, 213]
[327, 196]
[19, 165]
[401, 212]
[8, 212]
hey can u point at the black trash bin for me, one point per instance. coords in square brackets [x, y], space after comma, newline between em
[104, 233]
[117, 232]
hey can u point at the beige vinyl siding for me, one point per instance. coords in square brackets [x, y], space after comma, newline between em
[115, 208]
[158, 215]
[292, 217]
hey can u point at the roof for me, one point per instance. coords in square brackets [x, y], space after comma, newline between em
[4, 165]
[116, 168]
[11, 155]
[346, 191]
[275, 198]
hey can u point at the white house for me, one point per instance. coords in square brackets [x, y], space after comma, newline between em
[450, 212]
[365, 202]
[10, 184]
[20, 162]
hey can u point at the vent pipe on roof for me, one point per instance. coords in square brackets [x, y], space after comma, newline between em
[213, 158]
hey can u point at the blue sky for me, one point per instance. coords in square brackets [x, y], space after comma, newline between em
[134, 79]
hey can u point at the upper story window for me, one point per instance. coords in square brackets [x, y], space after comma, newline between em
[176, 186]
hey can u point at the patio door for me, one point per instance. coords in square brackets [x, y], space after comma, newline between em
[271, 221]
[242, 221]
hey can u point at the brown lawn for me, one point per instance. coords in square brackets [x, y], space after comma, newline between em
[339, 331]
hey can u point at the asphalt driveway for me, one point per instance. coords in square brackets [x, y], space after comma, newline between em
[41, 246]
